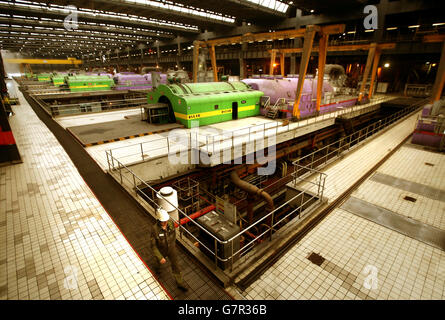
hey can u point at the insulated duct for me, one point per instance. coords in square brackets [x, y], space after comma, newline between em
[251, 190]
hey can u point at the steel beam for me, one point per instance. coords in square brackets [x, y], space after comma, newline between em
[369, 62]
[45, 61]
[352, 47]
[195, 60]
[307, 47]
[434, 38]
[375, 66]
[323, 46]
[213, 60]
[277, 35]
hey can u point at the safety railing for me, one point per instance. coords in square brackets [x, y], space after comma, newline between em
[301, 174]
[325, 155]
[97, 106]
[209, 143]
[126, 177]
[417, 90]
[265, 101]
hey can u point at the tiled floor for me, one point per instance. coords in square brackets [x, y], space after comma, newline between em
[362, 259]
[57, 241]
[92, 118]
[343, 174]
[414, 165]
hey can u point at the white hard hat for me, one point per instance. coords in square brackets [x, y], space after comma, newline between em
[162, 215]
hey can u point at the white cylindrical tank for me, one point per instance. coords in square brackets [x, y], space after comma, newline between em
[170, 194]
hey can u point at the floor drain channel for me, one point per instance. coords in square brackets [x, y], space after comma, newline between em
[429, 164]
[316, 259]
[407, 198]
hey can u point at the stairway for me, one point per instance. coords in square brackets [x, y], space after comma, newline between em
[272, 113]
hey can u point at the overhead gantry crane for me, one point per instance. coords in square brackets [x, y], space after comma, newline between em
[307, 33]
[25, 62]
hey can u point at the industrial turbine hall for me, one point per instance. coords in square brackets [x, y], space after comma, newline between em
[233, 150]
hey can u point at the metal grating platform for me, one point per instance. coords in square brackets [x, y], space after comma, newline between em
[404, 225]
[409, 186]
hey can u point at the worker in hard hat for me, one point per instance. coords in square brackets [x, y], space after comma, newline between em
[163, 244]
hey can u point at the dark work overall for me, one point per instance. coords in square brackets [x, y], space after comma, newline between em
[163, 244]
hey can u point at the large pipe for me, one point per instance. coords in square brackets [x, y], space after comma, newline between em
[196, 215]
[253, 190]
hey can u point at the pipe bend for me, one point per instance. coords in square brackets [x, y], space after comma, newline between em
[251, 189]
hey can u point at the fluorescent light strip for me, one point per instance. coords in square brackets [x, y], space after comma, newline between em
[96, 13]
[369, 30]
[391, 28]
[97, 24]
[438, 24]
[182, 8]
[414, 26]
[271, 4]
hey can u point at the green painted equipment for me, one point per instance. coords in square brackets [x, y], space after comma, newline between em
[89, 83]
[58, 79]
[207, 102]
[44, 77]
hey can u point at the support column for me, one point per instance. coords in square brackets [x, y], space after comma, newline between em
[322, 52]
[375, 66]
[282, 59]
[307, 48]
[196, 45]
[158, 53]
[242, 63]
[128, 58]
[242, 68]
[369, 61]
[118, 67]
[213, 61]
[293, 63]
[440, 77]
[273, 55]
[178, 56]
[382, 9]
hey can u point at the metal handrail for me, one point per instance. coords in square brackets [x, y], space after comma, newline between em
[213, 140]
[364, 132]
[320, 183]
[66, 109]
[135, 178]
[267, 103]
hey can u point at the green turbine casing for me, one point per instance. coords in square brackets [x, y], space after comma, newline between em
[89, 83]
[208, 102]
[44, 77]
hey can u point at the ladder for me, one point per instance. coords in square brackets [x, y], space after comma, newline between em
[272, 111]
